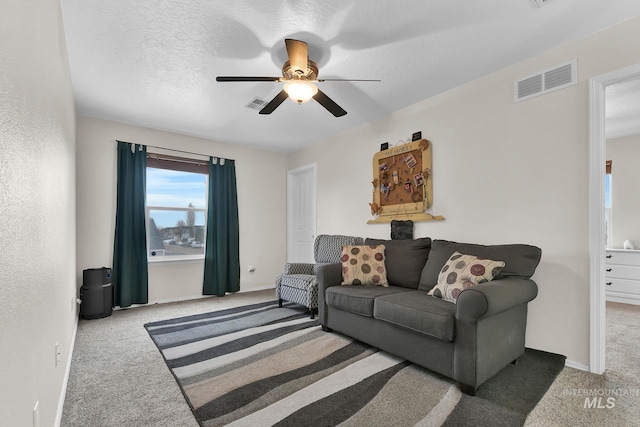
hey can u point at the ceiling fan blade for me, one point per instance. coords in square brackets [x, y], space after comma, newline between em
[274, 103]
[247, 79]
[347, 80]
[329, 104]
[298, 55]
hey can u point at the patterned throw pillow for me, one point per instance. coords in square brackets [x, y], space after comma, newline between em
[363, 265]
[462, 272]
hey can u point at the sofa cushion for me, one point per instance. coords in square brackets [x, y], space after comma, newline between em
[419, 312]
[363, 265]
[520, 260]
[405, 260]
[358, 299]
[461, 272]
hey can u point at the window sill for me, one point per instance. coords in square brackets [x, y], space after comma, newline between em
[166, 259]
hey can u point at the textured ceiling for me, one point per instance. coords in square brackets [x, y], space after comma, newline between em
[623, 109]
[153, 63]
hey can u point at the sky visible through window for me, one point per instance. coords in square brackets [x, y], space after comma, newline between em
[170, 188]
[607, 191]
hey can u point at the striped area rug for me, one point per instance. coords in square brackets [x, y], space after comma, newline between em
[260, 365]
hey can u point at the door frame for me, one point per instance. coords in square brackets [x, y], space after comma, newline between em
[597, 154]
[291, 174]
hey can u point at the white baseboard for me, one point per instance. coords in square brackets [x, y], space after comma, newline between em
[194, 297]
[576, 365]
[67, 371]
[623, 298]
[262, 288]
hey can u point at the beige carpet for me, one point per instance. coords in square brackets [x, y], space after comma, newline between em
[118, 377]
[566, 405]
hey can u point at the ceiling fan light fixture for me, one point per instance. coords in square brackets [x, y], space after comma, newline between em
[300, 90]
[299, 74]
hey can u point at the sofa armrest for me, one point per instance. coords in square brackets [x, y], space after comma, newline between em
[490, 298]
[328, 275]
[298, 268]
[491, 321]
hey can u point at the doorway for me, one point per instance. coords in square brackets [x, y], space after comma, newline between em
[301, 213]
[597, 230]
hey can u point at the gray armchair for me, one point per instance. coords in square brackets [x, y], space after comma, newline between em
[298, 282]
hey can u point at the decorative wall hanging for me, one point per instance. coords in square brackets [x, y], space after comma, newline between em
[401, 230]
[402, 186]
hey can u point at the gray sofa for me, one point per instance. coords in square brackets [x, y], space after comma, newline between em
[469, 341]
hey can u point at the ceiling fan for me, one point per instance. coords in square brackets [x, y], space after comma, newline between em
[299, 74]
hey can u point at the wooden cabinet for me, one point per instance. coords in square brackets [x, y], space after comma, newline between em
[622, 276]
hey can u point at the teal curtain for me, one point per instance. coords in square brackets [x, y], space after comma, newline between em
[130, 272]
[222, 253]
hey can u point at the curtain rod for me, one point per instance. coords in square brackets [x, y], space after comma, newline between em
[178, 151]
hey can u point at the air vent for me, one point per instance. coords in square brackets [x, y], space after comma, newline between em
[530, 86]
[256, 104]
[538, 3]
[558, 77]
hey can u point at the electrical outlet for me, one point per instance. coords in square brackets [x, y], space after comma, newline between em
[57, 354]
[36, 414]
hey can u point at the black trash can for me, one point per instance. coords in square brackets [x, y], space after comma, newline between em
[96, 293]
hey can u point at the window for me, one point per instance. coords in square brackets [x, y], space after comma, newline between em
[176, 207]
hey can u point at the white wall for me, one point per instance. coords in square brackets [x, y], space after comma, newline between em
[624, 152]
[37, 207]
[261, 180]
[502, 173]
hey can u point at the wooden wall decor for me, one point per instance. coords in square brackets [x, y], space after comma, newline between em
[402, 184]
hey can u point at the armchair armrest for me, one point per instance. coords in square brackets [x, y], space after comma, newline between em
[487, 299]
[298, 268]
[328, 275]
[293, 268]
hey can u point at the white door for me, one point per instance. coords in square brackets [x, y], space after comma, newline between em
[301, 213]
